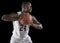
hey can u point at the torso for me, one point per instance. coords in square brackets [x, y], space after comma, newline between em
[20, 31]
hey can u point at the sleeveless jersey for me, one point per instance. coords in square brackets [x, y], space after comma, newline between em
[20, 31]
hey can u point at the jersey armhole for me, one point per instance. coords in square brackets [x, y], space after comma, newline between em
[19, 13]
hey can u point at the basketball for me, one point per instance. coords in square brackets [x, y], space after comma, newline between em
[26, 19]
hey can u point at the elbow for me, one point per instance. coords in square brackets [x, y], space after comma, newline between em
[40, 26]
[3, 18]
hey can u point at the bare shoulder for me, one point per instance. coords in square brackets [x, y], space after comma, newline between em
[33, 17]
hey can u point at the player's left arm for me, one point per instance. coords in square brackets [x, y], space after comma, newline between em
[36, 24]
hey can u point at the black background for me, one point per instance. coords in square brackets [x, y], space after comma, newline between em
[40, 11]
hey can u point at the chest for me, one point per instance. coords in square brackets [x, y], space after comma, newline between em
[23, 28]
[19, 27]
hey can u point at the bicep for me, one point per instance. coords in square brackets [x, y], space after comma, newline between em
[35, 21]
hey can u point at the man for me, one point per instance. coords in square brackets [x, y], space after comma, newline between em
[20, 32]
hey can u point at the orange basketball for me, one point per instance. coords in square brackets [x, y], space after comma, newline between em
[26, 19]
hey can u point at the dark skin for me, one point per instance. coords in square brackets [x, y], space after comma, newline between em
[10, 17]
[14, 16]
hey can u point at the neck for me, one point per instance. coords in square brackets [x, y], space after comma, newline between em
[25, 12]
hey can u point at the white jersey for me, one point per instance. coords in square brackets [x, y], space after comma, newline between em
[20, 33]
[19, 30]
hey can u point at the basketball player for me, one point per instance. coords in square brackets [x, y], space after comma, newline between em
[20, 32]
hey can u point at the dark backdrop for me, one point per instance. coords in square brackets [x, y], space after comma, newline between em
[40, 11]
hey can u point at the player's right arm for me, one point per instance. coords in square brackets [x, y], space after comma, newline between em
[10, 17]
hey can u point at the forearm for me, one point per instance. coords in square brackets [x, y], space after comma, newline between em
[37, 26]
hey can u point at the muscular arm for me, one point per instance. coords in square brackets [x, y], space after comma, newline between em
[10, 17]
[36, 24]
